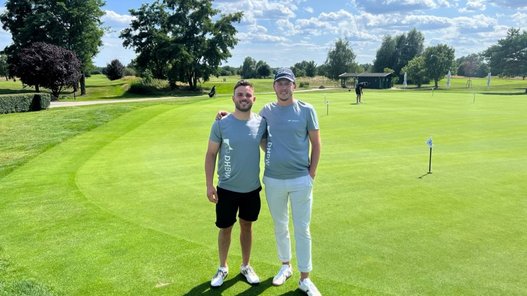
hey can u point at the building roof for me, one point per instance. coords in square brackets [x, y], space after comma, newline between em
[343, 75]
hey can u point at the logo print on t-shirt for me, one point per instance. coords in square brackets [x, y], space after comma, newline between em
[227, 165]
[228, 145]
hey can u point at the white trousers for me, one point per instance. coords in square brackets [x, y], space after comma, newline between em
[300, 192]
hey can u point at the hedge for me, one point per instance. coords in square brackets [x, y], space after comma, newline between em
[24, 102]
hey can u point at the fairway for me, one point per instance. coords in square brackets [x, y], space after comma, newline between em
[121, 209]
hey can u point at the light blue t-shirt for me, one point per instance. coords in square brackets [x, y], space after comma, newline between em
[287, 151]
[239, 155]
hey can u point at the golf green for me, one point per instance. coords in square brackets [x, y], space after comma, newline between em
[121, 209]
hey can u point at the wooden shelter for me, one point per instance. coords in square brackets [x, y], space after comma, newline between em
[373, 80]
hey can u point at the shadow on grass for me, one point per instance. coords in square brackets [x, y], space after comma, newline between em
[18, 91]
[421, 177]
[505, 93]
[205, 288]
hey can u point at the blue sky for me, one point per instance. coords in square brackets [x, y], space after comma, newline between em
[286, 32]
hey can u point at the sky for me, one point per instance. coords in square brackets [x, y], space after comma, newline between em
[286, 32]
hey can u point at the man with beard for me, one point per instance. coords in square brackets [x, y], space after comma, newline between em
[236, 138]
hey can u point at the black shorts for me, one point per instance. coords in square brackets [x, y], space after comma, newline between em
[229, 202]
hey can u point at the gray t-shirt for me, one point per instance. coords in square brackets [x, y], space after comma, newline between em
[239, 155]
[287, 151]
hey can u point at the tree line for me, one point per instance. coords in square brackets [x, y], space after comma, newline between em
[187, 41]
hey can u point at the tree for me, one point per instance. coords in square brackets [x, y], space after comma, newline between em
[46, 65]
[4, 66]
[509, 56]
[416, 71]
[248, 68]
[262, 69]
[72, 24]
[472, 65]
[181, 39]
[149, 39]
[322, 70]
[410, 48]
[385, 55]
[114, 70]
[396, 52]
[365, 68]
[439, 60]
[305, 68]
[228, 71]
[340, 59]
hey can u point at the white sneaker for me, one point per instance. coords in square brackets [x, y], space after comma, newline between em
[307, 286]
[217, 279]
[249, 274]
[283, 274]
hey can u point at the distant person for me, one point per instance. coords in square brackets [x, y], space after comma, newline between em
[212, 92]
[358, 91]
[236, 138]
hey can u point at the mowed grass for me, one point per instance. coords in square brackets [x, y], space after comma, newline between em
[119, 207]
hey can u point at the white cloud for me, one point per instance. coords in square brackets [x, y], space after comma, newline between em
[390, 6]
[474, 5]
[511, 3]
[520, 19]
[259, 9]
[115, 18]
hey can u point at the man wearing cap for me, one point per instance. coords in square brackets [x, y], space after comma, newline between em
[292, 125]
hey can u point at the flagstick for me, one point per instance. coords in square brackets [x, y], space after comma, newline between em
[430, 145]
[430, 162]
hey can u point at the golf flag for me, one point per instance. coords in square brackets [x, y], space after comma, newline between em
[488, 80]
[405, 84]
[448, 76]
[429, 143]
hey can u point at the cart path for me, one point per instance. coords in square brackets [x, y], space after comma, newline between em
[59, 104]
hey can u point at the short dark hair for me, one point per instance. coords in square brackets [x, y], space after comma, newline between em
[242, 82]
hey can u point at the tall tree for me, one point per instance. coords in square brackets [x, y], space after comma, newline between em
[439, 60]
[248, 68]
[396, 52]
[414, 46]
[509, 56]
[190, 37]
[149, 39]
[385, 55]
[340, 59]
[71, 24]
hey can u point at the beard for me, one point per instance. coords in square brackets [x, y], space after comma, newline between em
[244, 108]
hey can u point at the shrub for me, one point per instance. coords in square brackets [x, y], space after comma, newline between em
[304, 84]
[24, 102]
[148, 86]
[114, 70]
[129, 71]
